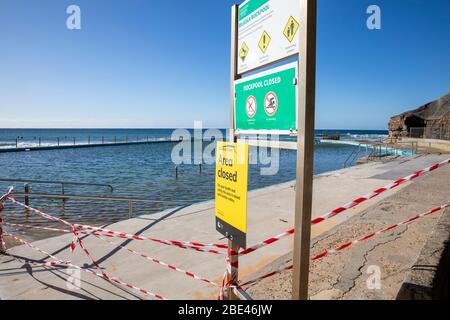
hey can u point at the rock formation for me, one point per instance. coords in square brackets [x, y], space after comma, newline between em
[433, 118]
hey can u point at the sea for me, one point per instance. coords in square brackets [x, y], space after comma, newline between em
[144, 171]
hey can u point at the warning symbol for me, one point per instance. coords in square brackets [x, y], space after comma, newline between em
[264, 42]
[244, 51]
[271, 103]
[250, 106]
[291, 29]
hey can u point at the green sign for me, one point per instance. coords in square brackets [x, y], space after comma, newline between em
[267, 102]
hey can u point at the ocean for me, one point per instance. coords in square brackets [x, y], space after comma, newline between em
[139, 170]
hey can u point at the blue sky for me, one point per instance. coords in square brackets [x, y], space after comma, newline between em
[142, 63]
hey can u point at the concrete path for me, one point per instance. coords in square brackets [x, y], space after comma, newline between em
[345, 275]
[270, 212]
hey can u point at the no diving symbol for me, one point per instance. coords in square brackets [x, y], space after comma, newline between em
[250, 106]
[271, 103]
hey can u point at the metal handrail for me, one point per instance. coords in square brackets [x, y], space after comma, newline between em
[62, 183]
[130, 201]
[80, 197]
[350, 157]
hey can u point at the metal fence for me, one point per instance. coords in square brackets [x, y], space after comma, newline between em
[441, 133]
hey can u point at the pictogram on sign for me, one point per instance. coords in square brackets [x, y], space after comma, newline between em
[243, 52]
[271, 103]
[291, 29]
[264, 42]
[250, 106]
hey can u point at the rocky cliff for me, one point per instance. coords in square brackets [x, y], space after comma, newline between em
[431, 116]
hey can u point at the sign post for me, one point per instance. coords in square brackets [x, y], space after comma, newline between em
[233, 259]
[305, 148]
[278, 101]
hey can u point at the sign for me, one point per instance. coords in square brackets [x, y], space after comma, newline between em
[251, 106]
[291, 29]
[267, 102]
[267, 31]
[231, 191]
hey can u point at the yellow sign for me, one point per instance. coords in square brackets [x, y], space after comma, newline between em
[231, 191]
[291, 29]
[264, 42]
[244, 51]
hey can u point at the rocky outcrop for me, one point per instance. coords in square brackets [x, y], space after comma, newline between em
[431, 116]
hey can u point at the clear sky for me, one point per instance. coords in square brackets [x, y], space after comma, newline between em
[145, 63]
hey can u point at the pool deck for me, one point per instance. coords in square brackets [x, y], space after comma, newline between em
[270, 212]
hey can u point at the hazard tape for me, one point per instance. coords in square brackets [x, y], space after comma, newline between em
[103, 275]
[351, 243]
[347, 206]
[197, 246]
[18, 225]
[111, 234]
[76, 238]
[157, 261]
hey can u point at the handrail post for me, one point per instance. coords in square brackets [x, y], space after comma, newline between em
[17, 143]
[103, 140]
[89, 139]
[176, 172]
[58, 141]
[39, 141]
[26, 188]
[62, 192]
[2, 241]
[130, 209]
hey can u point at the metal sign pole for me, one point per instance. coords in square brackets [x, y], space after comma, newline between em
[305, 149]
[233, 249]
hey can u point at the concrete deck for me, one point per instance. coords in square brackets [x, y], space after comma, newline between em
[394, 253]
[270, 212]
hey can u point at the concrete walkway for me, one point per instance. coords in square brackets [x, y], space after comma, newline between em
[345, 275]
[270, 212]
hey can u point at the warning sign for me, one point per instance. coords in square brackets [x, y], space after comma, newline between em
[291, 29]
[271, 103]
[264, 42]
[270, 31]
[267, 101]
[244, 51]
[250, 106]
[231, 191]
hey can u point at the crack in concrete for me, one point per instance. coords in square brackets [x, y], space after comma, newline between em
[390, 239]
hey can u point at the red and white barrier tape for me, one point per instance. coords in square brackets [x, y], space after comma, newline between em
[347, 206]
[351, 243]
[157, 261]
[18, 225]
[76, 238]
[197, 246]
[103, 275]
